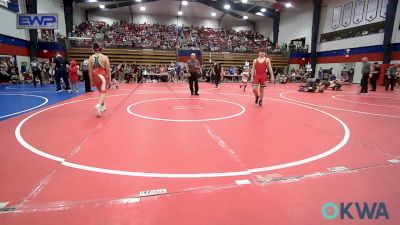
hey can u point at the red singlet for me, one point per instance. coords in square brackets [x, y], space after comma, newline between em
[261, 76]
[99, 76]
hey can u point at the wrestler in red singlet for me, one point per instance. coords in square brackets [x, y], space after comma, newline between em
[260, 77]
[100, 73]
[259, 72]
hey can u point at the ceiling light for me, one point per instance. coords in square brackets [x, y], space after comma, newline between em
[288, 5]
[180, 13]
[92, 0]
[259, 14]
[245, 17]
[138, 0]
[244, 1]
[213, 14]
[263, 10]
[142, 8]
[227, 6]
[102, 6]
[184, 2]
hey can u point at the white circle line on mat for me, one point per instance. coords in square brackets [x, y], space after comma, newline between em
[63, 162]
[362, 103]
[26, 110]
[243, 110]
[340, 109]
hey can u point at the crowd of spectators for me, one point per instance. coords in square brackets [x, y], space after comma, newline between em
[157, 36]
[8, 70]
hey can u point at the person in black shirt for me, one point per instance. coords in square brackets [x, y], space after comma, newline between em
[85, 73]
[375, 76]
[60, 71]
[217, 72]
[36, 69]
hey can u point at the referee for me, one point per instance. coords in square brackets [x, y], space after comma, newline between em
[193, 67]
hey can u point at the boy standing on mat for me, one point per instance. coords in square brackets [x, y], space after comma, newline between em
[259, 73]
[100, 74]
[245, 78]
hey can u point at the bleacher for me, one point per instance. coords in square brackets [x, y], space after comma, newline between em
[228, 59]
[157, 57]
[117, 56]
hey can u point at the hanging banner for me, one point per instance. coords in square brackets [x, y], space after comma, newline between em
[347, 11]
[383, 8]
[337, 12]
[372, 10]
[359, 11]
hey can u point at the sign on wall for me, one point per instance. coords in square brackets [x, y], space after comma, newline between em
[372, 10]
[337, 12]
[383, 8]
[37, 21]
[347, 11]
[359, 11]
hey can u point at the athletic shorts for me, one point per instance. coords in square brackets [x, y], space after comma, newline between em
[260, 81]
[101, 82]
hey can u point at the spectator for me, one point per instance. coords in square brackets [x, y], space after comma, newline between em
[36, 69]
[391, 78]
[60, 72]
[85, 73]
[4, 75]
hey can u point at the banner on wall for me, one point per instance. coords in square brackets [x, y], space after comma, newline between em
[337, 12]
[383, 8]
[359, 11]
[37, 21]
[372, 10]
[347, 11]
[184, 55]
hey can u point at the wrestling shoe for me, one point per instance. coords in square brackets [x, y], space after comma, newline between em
[98, 110]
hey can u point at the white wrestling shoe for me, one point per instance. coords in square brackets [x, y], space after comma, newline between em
[103, 108]
[98, 110]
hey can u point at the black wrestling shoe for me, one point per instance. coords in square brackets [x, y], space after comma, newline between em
[196, 94]
[260, 103]
[257, 98]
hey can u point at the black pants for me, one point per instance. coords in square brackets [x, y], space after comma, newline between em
[86, 78]
[364, 83]
[64, 76]
[4, 78]
[390, 82]
[39, 75]
[373, 81]
[193, 83]
[217, 79]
